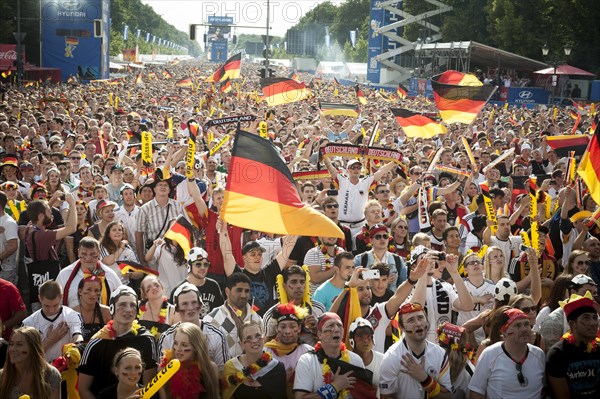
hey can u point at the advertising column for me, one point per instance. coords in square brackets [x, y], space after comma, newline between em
[375, 42]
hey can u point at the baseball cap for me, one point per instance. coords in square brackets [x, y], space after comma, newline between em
[249, 246]
[582, 279]
[352, 162]
[196, 253]
[116, 167]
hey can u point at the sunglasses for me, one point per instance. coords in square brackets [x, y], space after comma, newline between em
[332, 206]
[520, 376]
[75, 158]
[402, 227]
[355, 167]
[583, 262]
[528, 309]
[383, 192]
[381, 236]
[202, 264]
[473, 262]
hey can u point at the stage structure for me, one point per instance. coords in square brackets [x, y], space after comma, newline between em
[76, 37]
[387, 41]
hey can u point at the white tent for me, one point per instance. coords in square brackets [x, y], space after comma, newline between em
[332, 68]
[114, 65]
[357, 69]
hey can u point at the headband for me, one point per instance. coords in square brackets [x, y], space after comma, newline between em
[513, 315]
[325, 317]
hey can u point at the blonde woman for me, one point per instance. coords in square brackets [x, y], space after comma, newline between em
[494, 264]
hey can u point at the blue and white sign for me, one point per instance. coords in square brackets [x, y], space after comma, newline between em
[375, 48]
[533, 95]
[220, 20]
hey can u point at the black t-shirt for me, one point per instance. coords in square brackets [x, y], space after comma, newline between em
[303, 245]
[57, 220]
[262, 289]
[98, 355]
[210, 292]
[110, 392]
[380, 299]
[581, 369]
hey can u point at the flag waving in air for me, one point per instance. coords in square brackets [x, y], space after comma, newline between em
[261, 194]
[460, 96]
[180, 232]
[589, 167]
[231, 70]
[415, 124]
[360, 95]
[278, 91]
[402, 92]
[339, 109]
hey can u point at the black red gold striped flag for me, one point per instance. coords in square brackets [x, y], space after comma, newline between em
[231, 70]
[564, 143]
[261, 194]
[589, 167]
[225, 86]
[339, 109]
[311, 175]
[402, 92]
[294, 76]
[459, 96]
[415, 124]
[277, 91]
[130, 267]
[166, 74]
[335, 81]
[185, 83]
[181, 233]
[138, 79]
[360, 95]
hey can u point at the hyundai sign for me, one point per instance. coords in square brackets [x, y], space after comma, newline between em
[528, 95]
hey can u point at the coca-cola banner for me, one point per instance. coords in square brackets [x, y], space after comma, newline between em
[8, 55]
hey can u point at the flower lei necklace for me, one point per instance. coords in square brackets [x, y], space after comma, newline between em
[249, 371]
[162, 315]
[326, 370]
[328, 257]
[112, 333]
[591, 346]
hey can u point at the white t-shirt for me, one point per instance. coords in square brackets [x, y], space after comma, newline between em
[309, 372]
[395, 382]
[496, 374]
[375, 368]
[42, 323]
[510, 247]
[63, 276]
[171, 274]
[10, 233]
[380, 321]
[352, 198]
[486, 288]
[439, 303]
[128, 219]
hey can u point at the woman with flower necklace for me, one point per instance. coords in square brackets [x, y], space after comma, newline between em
[155, 311]
[317, 375]
[254, 374]
[197, 378]
[93, 314]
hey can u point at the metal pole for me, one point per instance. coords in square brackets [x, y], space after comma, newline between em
[267, 41]
[19, 45]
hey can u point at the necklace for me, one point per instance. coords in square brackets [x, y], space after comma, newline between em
[328, 257]
[247, 373]
[326, 370]
[592, 346]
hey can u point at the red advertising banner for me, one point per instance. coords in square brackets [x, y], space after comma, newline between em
[8, 55]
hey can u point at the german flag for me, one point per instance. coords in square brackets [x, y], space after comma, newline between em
[231, 70]
[185, 83]
[138, 79]
[562, 144]
[6, 74]
[335, 82]
[359, 94]
[181, 233]
[152, 75]
[459, 96]
[589, 167]
[261, 194]
[294, 76]
[415, 124]
[225, 86]
[277, 91]
[402, 92]
[131, 267]
[339, 109]
[311, 175]
[166, 74]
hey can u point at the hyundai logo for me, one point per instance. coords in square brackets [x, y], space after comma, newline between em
[525, 95]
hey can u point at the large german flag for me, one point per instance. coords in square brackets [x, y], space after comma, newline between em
[459, 96]
[339, 109]
[589, 167]
[261, 194]
[402, 92]
[415, 124]
[225, 86]
[231, 70]
[564, 143]
[181, 233]
[277, 91]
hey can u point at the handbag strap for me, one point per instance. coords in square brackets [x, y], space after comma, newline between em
[33, 245]
[164, 223]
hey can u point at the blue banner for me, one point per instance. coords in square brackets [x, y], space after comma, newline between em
[69, 41]
[527, 95]
[375, 42]
[220, 20]
[218, 51]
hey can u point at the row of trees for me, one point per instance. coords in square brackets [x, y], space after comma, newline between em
[518, 26]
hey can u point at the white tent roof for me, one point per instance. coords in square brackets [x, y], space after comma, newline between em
[114, 65]
[357, 68]
[332, 68]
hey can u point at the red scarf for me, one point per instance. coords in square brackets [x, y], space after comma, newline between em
[98, 272]
[187, 382]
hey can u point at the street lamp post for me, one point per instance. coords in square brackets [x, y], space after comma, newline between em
[555, 62]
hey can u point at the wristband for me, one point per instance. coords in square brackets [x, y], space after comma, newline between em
[431, 386]
[411, 281]
[327, 392]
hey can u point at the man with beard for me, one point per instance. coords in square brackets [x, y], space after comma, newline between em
[123, 331]
[234, 312]
[293, 289]
[188, 304]
[329, 353]
[572, 365]
[286, 346]
[415, 367]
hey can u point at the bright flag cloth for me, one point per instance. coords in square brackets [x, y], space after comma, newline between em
[339, 109]
[277, 91]
[231, 70]
[360, 95]
[402, 92]
[166, 74]
[564, 143]
[181, 233]
[225, 86]
[459, 96]
[185, 83]
[261, 194]
[589, 167]
[415, 124]
[138, 79]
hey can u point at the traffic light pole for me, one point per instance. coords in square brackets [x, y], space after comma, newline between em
[267, 75]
